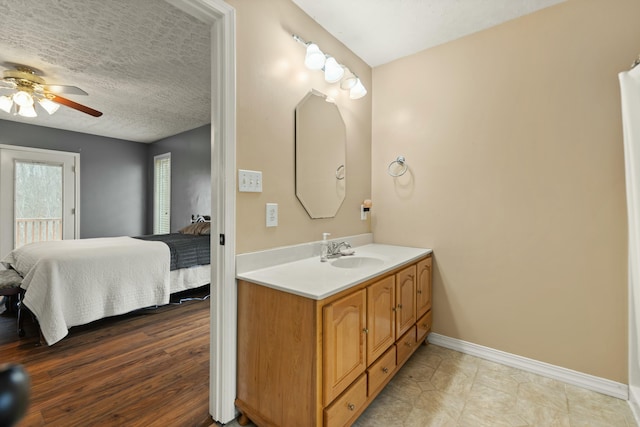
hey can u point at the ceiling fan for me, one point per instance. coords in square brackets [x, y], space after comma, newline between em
[31, 89]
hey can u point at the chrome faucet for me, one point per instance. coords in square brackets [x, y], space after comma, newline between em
[334, 249]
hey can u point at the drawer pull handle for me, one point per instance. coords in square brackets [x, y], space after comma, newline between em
[385, 370]
[351, 406]
[407, 343]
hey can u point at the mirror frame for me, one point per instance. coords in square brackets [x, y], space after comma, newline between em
[320, 155]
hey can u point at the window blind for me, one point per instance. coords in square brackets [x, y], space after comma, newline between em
[162, 194]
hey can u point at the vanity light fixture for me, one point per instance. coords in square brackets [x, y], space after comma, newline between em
[334, 72]
[314, 59]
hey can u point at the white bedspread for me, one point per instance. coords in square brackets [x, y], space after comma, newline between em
[74, 282]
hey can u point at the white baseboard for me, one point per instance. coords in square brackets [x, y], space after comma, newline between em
[589, 382]
[634, 403]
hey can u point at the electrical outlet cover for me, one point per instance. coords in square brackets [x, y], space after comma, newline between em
[272, 214]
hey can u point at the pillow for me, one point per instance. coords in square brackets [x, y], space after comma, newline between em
[197, 229]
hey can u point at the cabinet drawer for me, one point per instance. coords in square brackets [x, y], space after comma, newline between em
[381, 370]
[345, 407]
[424, 326]
[406, 345]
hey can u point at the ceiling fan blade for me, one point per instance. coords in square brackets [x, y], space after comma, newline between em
[72, 104]
[69, 90]
[7, 85]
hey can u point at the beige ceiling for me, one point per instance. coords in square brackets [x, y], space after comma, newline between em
[144, 63]
[379, 31]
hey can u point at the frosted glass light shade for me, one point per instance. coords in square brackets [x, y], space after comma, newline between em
[27, 111]
[357, 91]
[348, 81]
[314, 59]
[333, 71]
[50, 106]
[22, 98]
[6, 103]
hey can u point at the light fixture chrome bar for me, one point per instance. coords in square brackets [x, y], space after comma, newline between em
[334, 71]
[299, 39]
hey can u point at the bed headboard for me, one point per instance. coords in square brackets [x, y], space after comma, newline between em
[200, 218]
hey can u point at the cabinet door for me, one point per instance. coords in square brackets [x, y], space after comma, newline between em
[405, 299]
[381, 303]
[423, 292]
[344, 343]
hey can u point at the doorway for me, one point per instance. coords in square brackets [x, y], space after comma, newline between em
[39, 194]
[222, 378]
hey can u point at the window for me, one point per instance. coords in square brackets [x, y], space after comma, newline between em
[38, 201]
[162, 194]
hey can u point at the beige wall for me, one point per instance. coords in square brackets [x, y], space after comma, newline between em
[271, 80]
[514, 141]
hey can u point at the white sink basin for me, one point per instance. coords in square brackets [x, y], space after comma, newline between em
[357, 262]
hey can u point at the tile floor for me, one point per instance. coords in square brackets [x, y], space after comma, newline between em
[442, 387]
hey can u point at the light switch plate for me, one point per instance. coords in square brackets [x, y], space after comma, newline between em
[272, 214]
[249, 181]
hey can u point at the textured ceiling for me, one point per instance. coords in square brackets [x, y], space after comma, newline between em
[145, 64]
[379, 31]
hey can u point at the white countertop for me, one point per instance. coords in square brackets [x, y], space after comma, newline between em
[313, 279]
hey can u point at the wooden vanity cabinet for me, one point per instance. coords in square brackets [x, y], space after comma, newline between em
[344, 343]
[381, 311]
[406, 295]
[423, 287]
[305, 362]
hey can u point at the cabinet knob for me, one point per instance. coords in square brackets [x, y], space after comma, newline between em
[425, 325]
[385, 370]
[351, 406]
[419, 291]
[400, 306]
[365, 330]
[393, 309]
[407, 343]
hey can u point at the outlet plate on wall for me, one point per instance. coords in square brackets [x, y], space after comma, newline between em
[272, 214]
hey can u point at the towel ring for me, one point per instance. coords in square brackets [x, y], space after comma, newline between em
[340, 176]
[400, 161]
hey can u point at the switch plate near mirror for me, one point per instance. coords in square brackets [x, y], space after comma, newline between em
[249, 181]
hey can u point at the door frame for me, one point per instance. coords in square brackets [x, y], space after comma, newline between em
[76, 184]
[223, 318]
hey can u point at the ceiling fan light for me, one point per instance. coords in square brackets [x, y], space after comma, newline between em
[314, 59]
[333, 71]
[357, 91]
[22, 98]
[6, 103]
[50, 106]
[27, 111]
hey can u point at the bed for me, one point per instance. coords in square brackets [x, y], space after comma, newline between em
[73, 282]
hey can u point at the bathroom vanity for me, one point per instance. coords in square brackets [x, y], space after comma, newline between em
[317, 342]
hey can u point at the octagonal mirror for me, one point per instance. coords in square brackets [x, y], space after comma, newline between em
[321, 146]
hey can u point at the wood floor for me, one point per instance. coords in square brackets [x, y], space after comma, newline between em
[147, 368]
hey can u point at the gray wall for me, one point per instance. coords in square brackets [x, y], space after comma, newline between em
[113, 176]
[190, 175]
